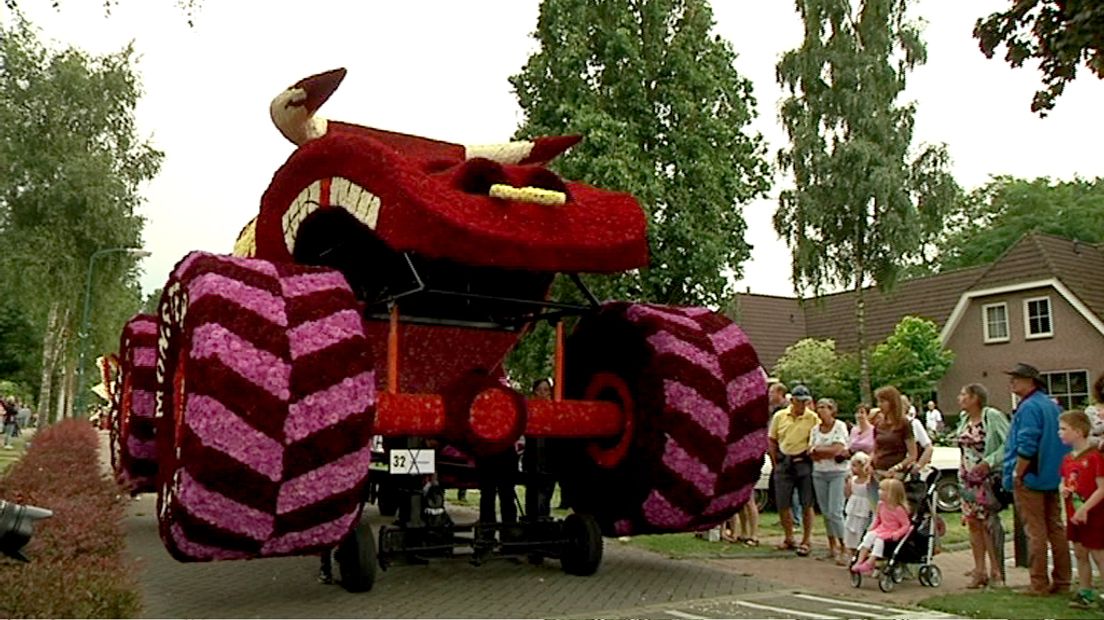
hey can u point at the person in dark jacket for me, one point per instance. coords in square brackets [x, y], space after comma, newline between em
[1033, 457]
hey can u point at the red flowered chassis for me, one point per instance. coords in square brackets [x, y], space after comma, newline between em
[376, 293]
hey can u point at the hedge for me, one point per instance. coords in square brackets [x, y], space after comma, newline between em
[77, 568]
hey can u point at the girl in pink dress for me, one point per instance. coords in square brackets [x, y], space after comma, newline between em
[891, 522]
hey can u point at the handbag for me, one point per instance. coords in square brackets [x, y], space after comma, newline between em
[1001, 496]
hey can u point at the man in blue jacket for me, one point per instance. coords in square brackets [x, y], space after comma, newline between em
[1032, 460]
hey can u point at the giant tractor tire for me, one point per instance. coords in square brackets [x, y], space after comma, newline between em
[133, 433]
[265, 397]
[696, 414]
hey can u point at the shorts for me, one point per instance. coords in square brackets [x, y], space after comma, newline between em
[793, 472]
[1089, 534]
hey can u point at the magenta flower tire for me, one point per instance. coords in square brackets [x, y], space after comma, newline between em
[133, 436]
[265, 396]
[698, 406]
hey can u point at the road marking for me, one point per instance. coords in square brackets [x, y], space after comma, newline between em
[787, 611]
[850, 612]
[680, 614]
[834, 601]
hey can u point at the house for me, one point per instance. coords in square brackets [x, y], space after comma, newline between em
[1041, 302]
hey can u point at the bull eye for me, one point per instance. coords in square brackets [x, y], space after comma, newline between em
[476, 176]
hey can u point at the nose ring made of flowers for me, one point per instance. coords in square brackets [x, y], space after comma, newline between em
[699, 409]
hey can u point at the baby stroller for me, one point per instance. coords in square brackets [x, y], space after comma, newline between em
[918, 545]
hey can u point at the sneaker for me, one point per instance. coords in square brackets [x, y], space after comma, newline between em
[1082, 599]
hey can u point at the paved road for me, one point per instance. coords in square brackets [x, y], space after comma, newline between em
[286, 587]
[777, 604]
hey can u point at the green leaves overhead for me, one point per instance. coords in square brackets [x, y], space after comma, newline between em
[1062, 35]
[664, 115]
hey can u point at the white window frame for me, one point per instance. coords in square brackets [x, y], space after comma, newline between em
[985, 323]
[1068, 394]
[1027, 318]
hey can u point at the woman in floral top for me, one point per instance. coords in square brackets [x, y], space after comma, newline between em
[981, 433]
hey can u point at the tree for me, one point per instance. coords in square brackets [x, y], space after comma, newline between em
[71, 165]
[861, 207]
[912, 358]
[1060, 34]
[814, 363]
[664, 115]
[997, 214]
[189, 7]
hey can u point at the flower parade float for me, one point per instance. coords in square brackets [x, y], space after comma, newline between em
[131, 425]
[375, 295]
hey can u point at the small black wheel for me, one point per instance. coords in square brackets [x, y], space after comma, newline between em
[885, 582]
[856, 579]
[931, 575]
[356, 559]
[922, 576]
[582, 551]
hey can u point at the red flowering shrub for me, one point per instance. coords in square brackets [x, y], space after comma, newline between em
[77, 567]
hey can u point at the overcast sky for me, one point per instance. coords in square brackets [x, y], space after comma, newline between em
[439, 68]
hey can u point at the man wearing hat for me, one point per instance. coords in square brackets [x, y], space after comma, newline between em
[792, 466]
[1032, 459]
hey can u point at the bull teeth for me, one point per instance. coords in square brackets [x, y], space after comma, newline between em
[357, 201]
[303, 205]
[344, 194]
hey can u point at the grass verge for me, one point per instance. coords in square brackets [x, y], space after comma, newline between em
[1004, 603]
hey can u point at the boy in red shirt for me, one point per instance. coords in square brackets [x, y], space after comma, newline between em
[1083, 490]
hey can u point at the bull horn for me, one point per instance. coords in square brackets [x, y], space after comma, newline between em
[292, 111]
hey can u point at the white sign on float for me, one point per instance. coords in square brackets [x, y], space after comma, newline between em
[414, 462]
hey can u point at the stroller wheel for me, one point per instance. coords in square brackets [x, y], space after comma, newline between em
[856, 579]
[931, 576]
[898, 573]
[885, 582]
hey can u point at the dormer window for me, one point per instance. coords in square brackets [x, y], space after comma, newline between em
[1038, 321]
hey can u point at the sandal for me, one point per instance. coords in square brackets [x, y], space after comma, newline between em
[803, 550]
[751, 542]
[785, 545]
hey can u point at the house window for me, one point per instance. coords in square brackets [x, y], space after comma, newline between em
[1069, 387]
[995, 318]
[1037, 318]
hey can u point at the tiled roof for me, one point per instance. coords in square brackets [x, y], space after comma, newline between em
[773, 323]
[933, 297]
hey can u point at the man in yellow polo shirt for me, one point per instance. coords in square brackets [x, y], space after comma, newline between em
[792, 467]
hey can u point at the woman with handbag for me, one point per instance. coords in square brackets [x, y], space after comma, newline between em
[981, 433]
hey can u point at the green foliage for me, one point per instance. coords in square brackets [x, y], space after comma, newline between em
[664, 115]
[814, 363]
[1060, 34]
[17, 339]
[863, 205]
[912, 358]
[996, 215]
[71, 165]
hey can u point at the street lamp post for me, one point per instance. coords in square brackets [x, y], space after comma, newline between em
[85, 317]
